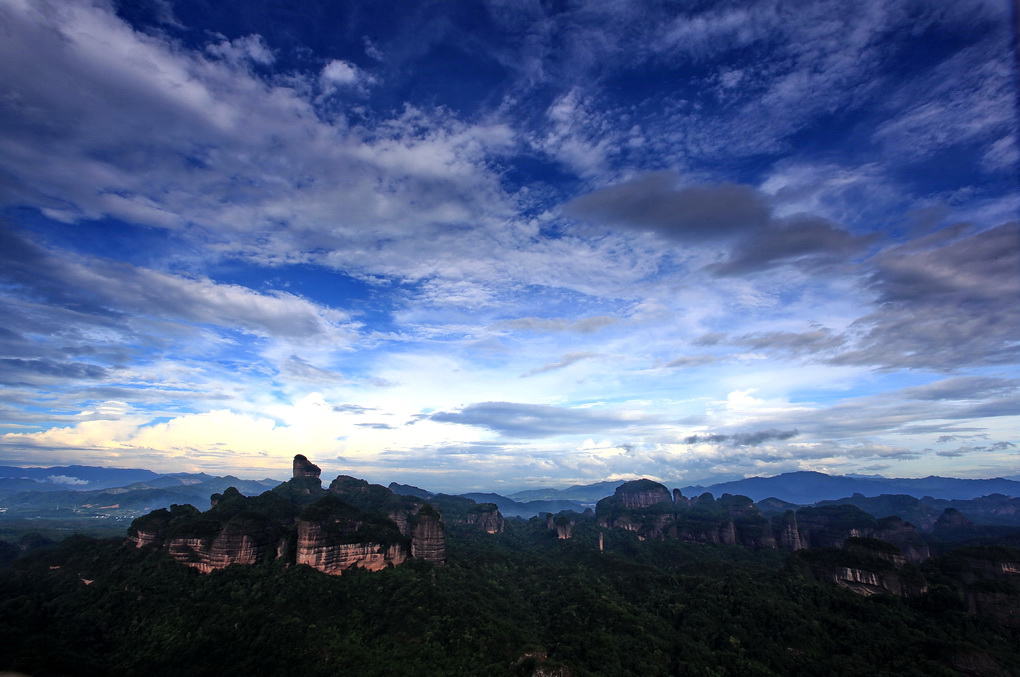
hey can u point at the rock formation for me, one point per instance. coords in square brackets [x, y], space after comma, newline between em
[641, 506]
[333, 536]
[648, 509]
[866, 566]
[486, 516]
[830, 526]
[428, 536]
[786, 533]
[641, 494]
[305, 468]
[152, 529]
[562, 524]
[353, 524]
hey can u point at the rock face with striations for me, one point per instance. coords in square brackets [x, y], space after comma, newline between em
[428, 536]
[785, 529]
[866, 566]
[334, 536]
[244, 539]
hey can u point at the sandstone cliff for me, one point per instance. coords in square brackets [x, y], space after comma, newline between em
[865, 566]
[428, 536]
[562, 524]
[486, 516]
[787, 535]
[334, 536]
[830, 526]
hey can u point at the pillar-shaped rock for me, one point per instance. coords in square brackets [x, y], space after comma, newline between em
[428, 537]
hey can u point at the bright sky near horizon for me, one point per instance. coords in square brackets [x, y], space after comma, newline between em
[497, 244]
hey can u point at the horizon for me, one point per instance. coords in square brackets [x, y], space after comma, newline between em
[489, 245]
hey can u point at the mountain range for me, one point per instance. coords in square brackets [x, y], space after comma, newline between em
[76, 488]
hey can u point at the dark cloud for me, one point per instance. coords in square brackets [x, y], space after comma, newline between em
[691, 361]
[655, 202]
[945, 302]
[535, 420]
[963, 388]
[750, 439]
[792, 343]
[376, 426]
[352, 409]
[44, 278]
[805, 241]
[586, 325]
[297, 368]
[569, 359]
[710, 339]
[14, 371]
[103, 291]
[879, 415]
[962, 451]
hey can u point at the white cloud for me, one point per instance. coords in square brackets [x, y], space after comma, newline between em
[250, 47]
[339, 74]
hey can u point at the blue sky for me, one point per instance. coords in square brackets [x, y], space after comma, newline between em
[501, 244]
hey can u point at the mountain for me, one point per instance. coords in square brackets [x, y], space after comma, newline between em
[126, 501]
[582, 493]
[525, 509]
[13, 485]
[811, 487]
[81, 476]
[991, 510]
[351, 524]
[507, 506]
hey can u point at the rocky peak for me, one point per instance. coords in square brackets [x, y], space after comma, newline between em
[642, 493]
[486, 516]
[951, 518]
[305, 468]
[230, 493]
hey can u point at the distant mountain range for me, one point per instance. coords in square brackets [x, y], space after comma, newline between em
[803, 488]
[89, 491]
[583, 493]
[511, 508]
[72, 477]
[806, 487]
[69, 488]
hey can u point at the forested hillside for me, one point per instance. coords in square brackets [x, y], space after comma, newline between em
[504, 604]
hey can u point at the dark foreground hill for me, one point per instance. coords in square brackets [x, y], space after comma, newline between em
[504, 604]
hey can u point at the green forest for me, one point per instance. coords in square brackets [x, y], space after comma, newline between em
[521, 602]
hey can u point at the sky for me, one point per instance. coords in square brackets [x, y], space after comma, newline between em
[501, 244]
